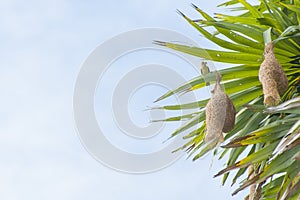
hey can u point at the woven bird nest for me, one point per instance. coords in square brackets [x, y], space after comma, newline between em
[220, 114]
[271, 75]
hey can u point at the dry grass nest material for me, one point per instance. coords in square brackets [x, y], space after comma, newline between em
[271, 75]
[220, 114]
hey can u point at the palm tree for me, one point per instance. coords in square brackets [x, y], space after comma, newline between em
[263, 148]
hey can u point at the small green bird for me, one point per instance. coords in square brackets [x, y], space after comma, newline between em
[205, 70]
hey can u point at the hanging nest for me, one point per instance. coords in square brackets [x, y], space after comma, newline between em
[271, 75]
[220, 114]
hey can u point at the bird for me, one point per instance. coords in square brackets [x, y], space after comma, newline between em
[205, 70]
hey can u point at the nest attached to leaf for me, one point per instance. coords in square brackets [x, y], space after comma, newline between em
[271, 75]
[220, 115]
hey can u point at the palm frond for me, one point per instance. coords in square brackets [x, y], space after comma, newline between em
[266, 139]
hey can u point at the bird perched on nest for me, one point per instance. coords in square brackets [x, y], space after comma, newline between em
[205, 70]
[220, 114]
[271, 75]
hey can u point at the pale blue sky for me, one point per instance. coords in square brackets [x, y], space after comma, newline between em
[43, 44]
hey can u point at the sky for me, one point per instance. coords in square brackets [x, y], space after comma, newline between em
[43, 46]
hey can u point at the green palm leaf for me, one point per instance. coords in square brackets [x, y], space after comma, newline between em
[266, 139]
